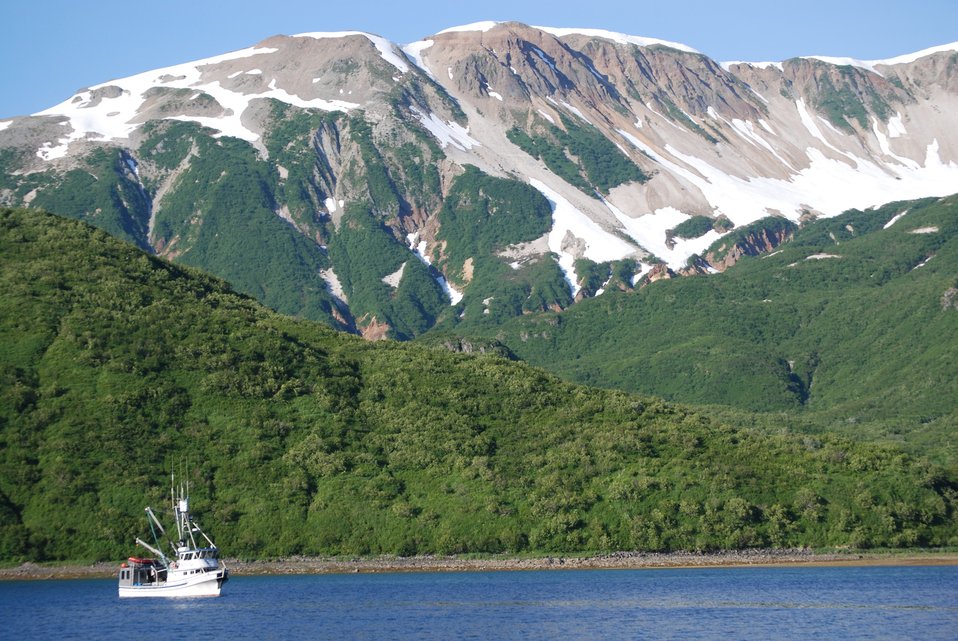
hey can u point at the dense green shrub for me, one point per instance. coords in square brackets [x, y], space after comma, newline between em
[579, 154]
[693, 227]
[115, 365]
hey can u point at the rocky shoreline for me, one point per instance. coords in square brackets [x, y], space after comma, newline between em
[610, 561]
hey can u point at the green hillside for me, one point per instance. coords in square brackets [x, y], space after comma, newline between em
[115, 365]
[849, 323]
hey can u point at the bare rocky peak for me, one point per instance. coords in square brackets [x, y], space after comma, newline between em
[799, 138]
[937, 72]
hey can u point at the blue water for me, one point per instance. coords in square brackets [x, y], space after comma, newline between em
[749, 603]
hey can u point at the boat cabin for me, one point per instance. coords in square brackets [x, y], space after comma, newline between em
[186, 554]
[141, 572]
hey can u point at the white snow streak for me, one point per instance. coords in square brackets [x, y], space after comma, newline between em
[448, 133]
[414, 51]
[542, 56]
[600, 245]
[418, 248]
[746, 129]
[575, 111]
[896, 128]
[643, 270]
[885, 147]
[895, 219]
[809, 122]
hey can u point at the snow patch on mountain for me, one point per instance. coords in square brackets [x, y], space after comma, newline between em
[395, 278]
[651, 232]
[619, 38]
[448, 133]
[838, 61]
[414, 51]
[895, 219]
[482, 26]
[571, 227]
[418, 248]
[885, 146]
[644, 268]
[835, 185]
[102, 117]
[924, 53]
[870, 65]
[544, 58]
[385, 47]
[546, 116]
[333, 284]
[809, 122]
[746, 129]
[896, 128]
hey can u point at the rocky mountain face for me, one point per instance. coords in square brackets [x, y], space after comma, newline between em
[489, 171]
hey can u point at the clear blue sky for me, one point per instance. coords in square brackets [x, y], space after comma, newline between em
[51, 48]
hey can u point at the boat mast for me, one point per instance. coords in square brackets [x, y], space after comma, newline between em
[181, 509]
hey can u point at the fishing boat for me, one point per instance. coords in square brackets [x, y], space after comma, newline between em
[193, 568]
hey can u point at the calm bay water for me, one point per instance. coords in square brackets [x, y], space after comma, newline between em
[747, 603]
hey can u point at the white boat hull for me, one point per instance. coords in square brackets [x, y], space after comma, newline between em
[208, 584]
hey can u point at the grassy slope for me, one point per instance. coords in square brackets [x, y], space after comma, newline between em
[114, 365]
[863, 341]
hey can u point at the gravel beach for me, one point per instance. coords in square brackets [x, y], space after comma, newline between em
[614, 560]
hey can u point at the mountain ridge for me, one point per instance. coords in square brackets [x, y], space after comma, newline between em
[626, 141]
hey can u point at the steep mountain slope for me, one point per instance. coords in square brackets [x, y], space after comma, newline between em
[327, 174]
[115, 365]
[852, 320]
